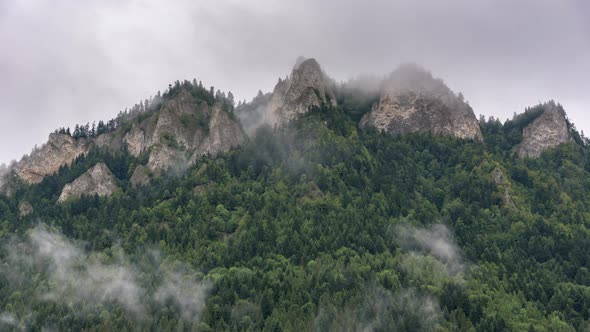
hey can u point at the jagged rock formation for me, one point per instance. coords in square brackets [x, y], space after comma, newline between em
[308, 86]
[548, 130]
[187, 129]
[24, 209]
[140, 176]
[182, 130]
[139, 138]
[60, 150]
[96, 181]
[414, 101]
[503, 185]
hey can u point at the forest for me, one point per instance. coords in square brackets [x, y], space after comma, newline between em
[318, 226]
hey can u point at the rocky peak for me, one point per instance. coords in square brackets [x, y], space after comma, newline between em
[307, 86]
[60, 150]
[548, 130]
[413, 100]
[188, 128]
[98, 180]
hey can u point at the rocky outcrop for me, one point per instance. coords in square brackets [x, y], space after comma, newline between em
[96, 181]
[140, 176]
[24, 209]
[136, 141]
[60, 150]
[548, 130]
[308, 86]
[413, 101]
[503, 185]
[187, 129]
[224, 133]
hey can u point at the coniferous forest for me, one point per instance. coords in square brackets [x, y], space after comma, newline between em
[318, 226]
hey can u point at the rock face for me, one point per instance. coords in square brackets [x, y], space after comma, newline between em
[187, 129]
[24, 209]
[549, 130]
[503, 185]
[177, 133]
[414, 101]
[308, 86]
[136, 141]
[96, 181]
[224, 133]
[140, 176]
[59, 151]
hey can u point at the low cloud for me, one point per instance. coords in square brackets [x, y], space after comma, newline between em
[94, 280]
[8, 319]
[436, 241]
[380, 310]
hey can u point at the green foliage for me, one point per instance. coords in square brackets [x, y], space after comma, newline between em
[299, 230]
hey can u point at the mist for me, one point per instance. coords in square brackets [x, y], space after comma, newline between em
[69, 275]
[78, 62]
[436, 241]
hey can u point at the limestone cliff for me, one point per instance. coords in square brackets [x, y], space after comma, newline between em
[140, 176]
[96, 181]
[60, 150]
[187, 129]
[548, 130]
[224, 133]
[308, 86]
[412, 101]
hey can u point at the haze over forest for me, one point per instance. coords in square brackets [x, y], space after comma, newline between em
[294, 166]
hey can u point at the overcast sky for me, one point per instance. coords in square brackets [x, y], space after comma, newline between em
[67, 62]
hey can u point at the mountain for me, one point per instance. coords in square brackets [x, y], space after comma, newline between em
[548, 130]
[413, 101]
[60, 150]
[188, 123]
[307, 87]
[170, 218]
[96, 181]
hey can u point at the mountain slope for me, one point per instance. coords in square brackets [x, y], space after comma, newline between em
[314, 225]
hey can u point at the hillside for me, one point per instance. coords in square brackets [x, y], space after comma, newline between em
[314, 224]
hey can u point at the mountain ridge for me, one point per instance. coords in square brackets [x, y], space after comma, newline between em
[189, 121]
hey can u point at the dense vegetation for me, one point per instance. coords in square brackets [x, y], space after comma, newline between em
[318, 227]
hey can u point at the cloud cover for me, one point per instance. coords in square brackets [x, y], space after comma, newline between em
[68, 274]
[71, 62]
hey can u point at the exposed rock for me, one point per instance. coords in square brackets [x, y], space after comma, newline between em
[164, 157]
[187, 129]
[136, 141]
[224, 134]
[59, 151]
[140, 176]
[24, 209]
[414, 101]
[308, 86]
[548, 130]
[110, 141]
[96, 181]
[503, 185]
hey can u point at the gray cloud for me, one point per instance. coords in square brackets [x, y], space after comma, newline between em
[436, 241]
[71, 275]
[382, 310]
[68, 62]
